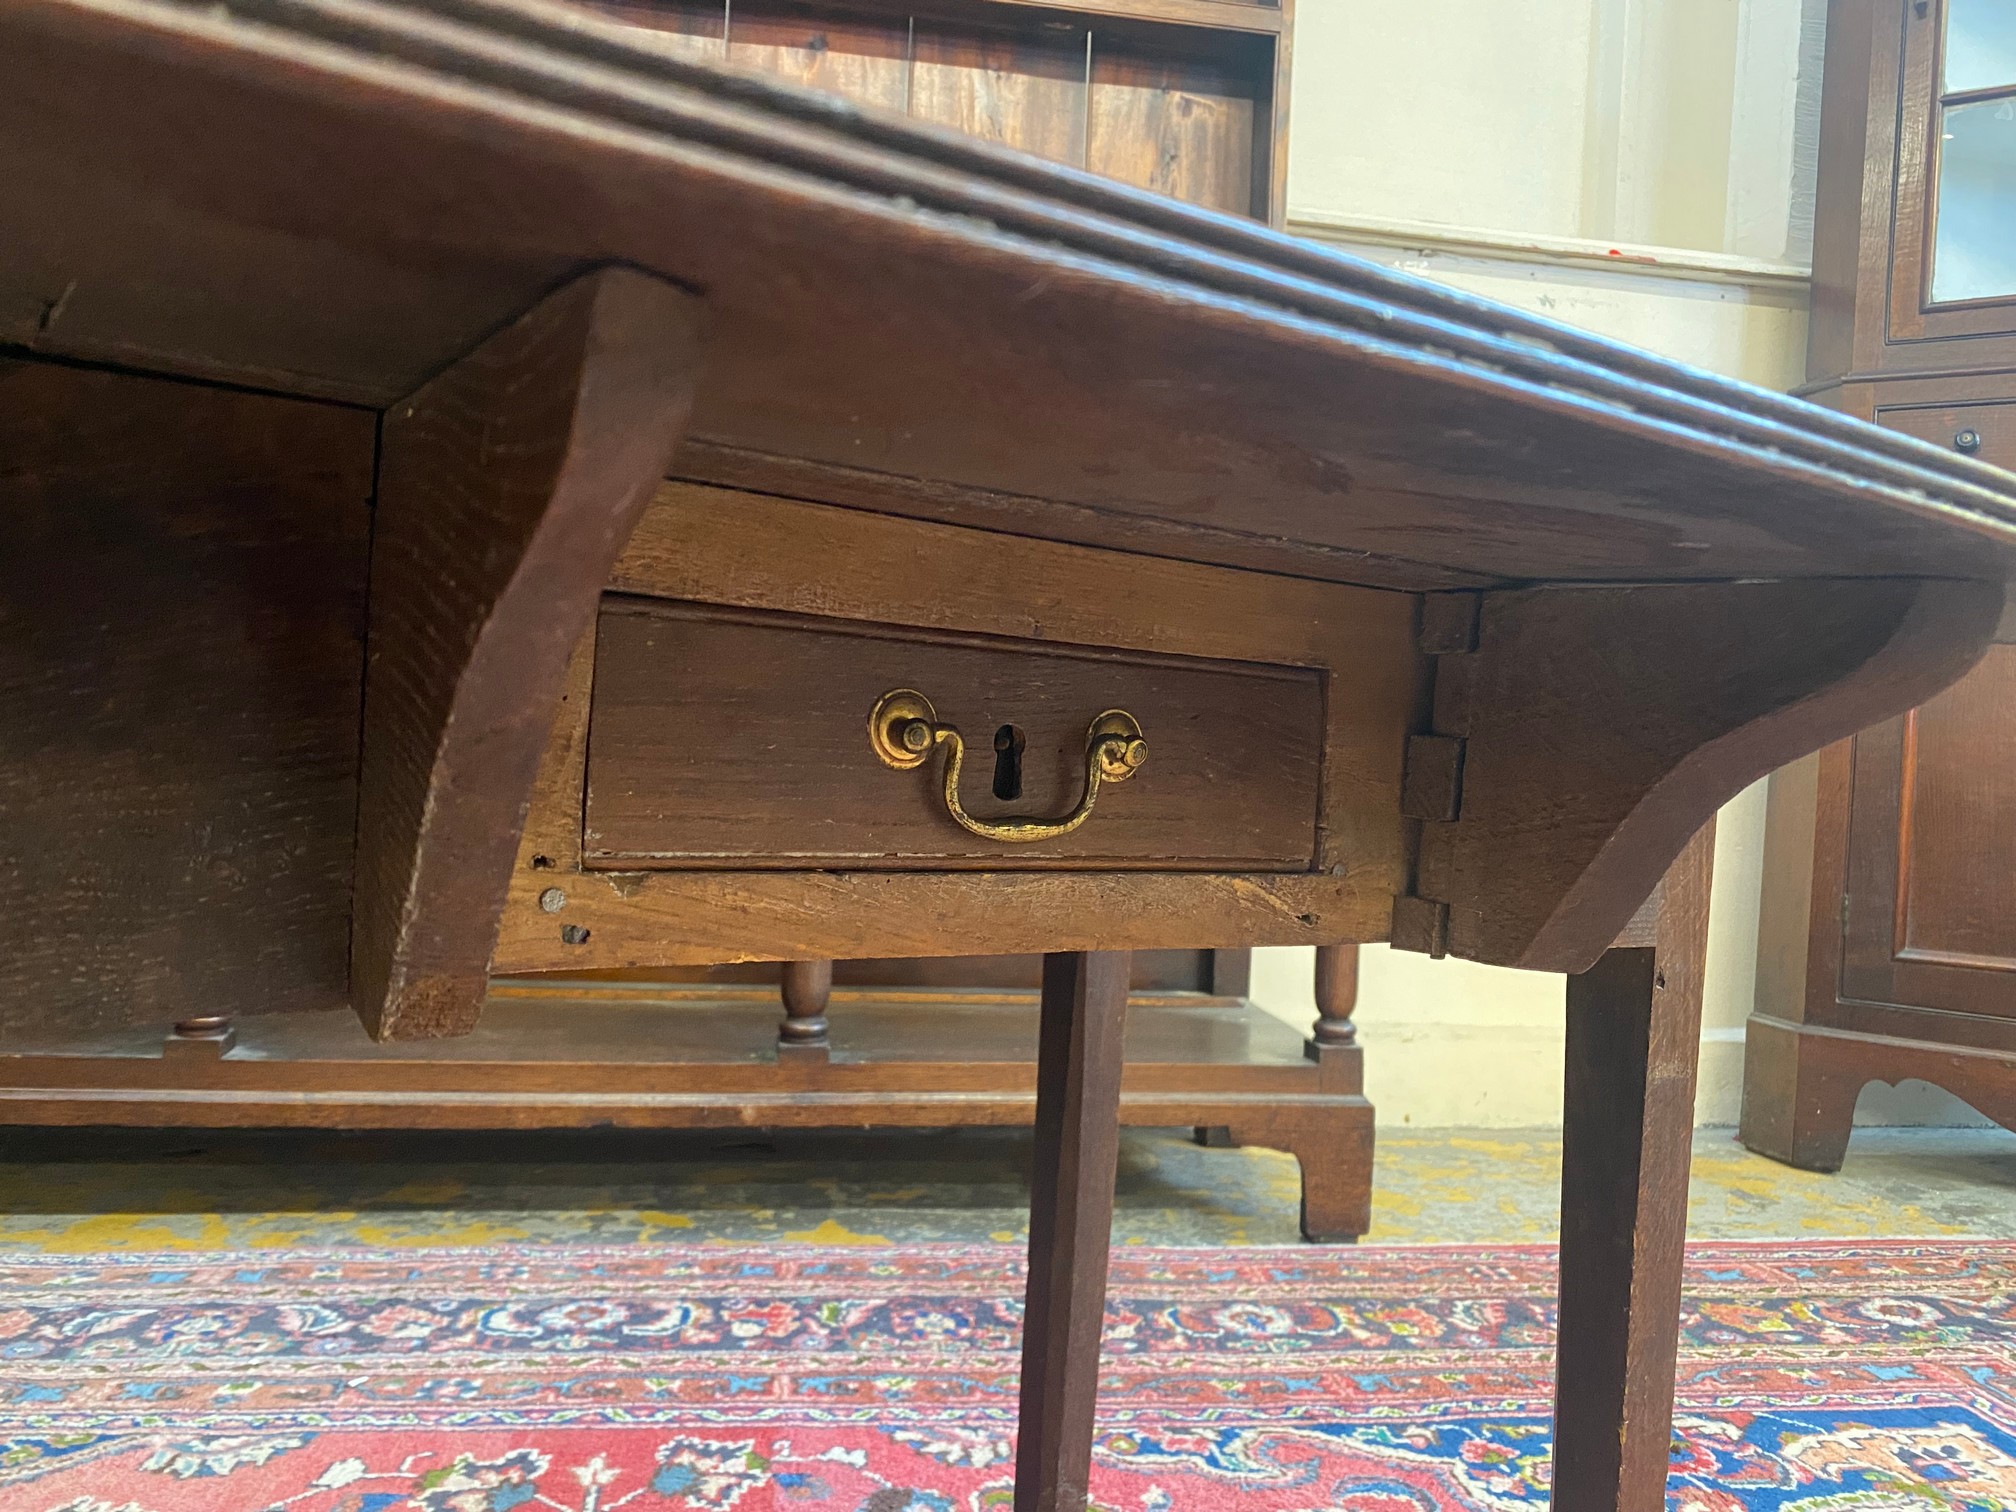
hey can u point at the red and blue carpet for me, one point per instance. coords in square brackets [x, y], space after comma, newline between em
[1831, 1377]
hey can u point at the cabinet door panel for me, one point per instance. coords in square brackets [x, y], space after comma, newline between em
[684, 28]
[862, 56]
[1022, 88]
[1951, 272]
[1177, 125]
[1931, 913]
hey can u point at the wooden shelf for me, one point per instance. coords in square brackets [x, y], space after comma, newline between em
[545, 1057]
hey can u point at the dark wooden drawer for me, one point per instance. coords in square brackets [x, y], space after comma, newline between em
[1985, 431]
[727, 738]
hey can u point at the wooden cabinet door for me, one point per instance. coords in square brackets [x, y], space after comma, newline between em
[1929, 917]
[1929, 921]
[1954, 223]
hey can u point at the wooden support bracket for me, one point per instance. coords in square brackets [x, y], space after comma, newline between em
[1600, 727]
[507, 486]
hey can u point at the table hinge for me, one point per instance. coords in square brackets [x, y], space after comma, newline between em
[1431, 773]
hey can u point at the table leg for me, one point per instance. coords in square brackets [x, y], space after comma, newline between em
[1336, 1000]
[1070, 1224]
[1633, 1038]
[806, 989]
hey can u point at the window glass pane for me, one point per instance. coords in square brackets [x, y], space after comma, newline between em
[1974, 254]
[1980, 44]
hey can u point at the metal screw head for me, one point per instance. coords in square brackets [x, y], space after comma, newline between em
[1968, 440]
[915, 736]
[552, 900]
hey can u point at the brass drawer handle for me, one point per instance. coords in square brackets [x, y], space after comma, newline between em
[904, 730]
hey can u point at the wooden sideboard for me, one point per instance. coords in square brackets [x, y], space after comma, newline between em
[1889, 921]
[1181, 98]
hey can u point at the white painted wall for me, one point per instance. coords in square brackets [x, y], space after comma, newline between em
[1640, 168]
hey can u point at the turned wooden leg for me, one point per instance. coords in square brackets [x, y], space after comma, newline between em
[803, 1035]
[1632, 1044]
[1070, 1224]
[1336, 1000]
[1334, 1147]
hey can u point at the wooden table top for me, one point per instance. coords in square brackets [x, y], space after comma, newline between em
[562, 265]
[553, 260]
[337, 199]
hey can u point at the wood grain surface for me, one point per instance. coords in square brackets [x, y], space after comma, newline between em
[1022, 87]
[1634, 1028]
[1072, 1172]
[181, 651]
[1801, 1082]
[1181, 126]
[748, 551]
[506, 487]
[1223, 542]
[619, 919]
[742, 549]
[1885, 950]
[862, 57]
[1051, 337]
[729, 739]
[548, 1056]
[1667, 701]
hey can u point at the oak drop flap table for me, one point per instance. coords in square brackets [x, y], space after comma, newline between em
[727, 524]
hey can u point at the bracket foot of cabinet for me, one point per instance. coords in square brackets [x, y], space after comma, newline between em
[1801, 1082]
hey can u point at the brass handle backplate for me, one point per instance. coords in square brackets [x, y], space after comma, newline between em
[904, 730]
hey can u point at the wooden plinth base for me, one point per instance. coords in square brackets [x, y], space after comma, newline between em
[1800, 1083]
[707, 1058]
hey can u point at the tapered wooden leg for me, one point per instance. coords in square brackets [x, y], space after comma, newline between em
[1070, 1224]
[1633, 1035]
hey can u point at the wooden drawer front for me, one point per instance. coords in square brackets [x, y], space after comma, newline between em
[723, 738]
[1992, 428]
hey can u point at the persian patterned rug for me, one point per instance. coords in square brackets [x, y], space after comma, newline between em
[1835, 1377]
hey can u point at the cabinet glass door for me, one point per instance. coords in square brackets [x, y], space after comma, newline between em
[1974, 212]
